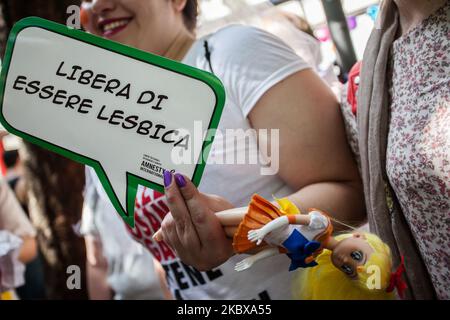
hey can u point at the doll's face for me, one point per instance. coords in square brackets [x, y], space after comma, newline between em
[351, 253]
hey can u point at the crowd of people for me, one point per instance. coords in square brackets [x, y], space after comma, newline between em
[379, 152]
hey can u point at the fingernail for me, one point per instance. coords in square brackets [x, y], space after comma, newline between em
[167, 178]
[179, 179]
[157, 236]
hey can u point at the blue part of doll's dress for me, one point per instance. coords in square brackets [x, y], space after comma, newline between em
[299, 249]
[296, 246]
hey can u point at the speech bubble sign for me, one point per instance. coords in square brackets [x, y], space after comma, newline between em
[117, 109]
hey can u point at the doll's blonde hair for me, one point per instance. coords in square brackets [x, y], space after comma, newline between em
[326, 282]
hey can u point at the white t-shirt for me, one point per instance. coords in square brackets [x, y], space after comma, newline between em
[12, 271]
[131, 273]
[12, 216]
[303, 44]
[249, 62]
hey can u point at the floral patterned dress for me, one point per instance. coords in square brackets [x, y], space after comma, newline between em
[418, 150]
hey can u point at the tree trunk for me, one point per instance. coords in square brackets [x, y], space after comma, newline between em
[56, 183]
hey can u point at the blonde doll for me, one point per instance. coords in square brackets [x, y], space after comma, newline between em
[351, 266]
[373, 279]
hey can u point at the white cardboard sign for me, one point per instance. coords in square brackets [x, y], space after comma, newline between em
[120, 110]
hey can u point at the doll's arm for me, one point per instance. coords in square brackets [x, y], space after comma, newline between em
[303, 219]
[259, 234]
[248, 262]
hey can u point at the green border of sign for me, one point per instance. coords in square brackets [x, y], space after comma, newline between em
[132, 180]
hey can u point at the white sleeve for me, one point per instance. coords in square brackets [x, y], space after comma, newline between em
[250, 61]
[12, 216]
[318, 220]
[91, 199]
[12, 270]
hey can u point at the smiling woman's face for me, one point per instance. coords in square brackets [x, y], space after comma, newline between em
[149, 25]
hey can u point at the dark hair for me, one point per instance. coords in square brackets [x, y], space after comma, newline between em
[190, 13]
[10, 158]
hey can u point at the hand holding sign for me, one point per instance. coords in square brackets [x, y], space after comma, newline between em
[115, 108]
[191, 227]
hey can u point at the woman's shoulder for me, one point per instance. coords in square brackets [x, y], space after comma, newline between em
[239, 38]
[250, 53]
[239, 32]
[249, 61]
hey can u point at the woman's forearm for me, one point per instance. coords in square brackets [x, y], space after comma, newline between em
[28, 251]
[314, 155]
[97, 283]
[344, 201]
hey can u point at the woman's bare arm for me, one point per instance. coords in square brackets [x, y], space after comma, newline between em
[314, 157]
[28, 251]
[97, 270]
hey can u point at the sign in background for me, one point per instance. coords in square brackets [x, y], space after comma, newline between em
[115, 108]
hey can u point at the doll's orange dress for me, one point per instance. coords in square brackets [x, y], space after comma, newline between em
[260, 213]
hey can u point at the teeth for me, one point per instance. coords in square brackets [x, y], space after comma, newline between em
[114, 25]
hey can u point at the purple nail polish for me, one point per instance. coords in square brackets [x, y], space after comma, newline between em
[167, 178]
[179, 179]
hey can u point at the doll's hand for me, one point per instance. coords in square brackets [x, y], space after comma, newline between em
[257, 235]
[244, 264]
